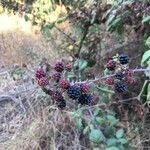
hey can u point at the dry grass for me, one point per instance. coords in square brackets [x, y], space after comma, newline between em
[21, 43]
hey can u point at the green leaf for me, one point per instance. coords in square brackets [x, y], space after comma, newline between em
[96, 136]
[79, 124]
[86, 129]
[145, 57]
[109, 132]
[122, 141]
[112, 148]
[100, 120]
[112, 142]
[112, 119]
[148, 92]
[146, 19]
[82, 64]
[120, 133]
[148, 42]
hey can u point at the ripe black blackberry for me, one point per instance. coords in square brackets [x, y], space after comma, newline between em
[119, 75]
[124, 59]
[85, 99]
[74, 91]
[120, 87]
[111, 65]
[59, 67]
[61, 104]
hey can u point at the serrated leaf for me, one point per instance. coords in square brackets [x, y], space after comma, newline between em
[96, 136]
[112, 148]
[146, 19]
[120, 133]
[145, 57]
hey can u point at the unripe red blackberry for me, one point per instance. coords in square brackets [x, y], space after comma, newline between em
[56, 95]
[56, 76]
[40, 73]
[109, 81]
[85, 88]
[43, 81]
[74, 91]
[111, 65]
[129, 73]
[68, 67]
[120, 87]
[85, 99]
[124, 59]
[59, 67]
[129, 80]
[64, 84]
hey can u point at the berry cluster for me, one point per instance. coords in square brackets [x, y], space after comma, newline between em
[56, 85]
[122, 75]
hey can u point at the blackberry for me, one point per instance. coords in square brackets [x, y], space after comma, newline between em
[61, 104]
[59, 67]
[43, 81]
[56, 76]
[40, 73]
[85, 99]
[64, 84]
[111, 65]
[119, 75]
[85, 88]
[74, 91]
[120, 87]
[56, 95]
[68, 67]
[109, 81]
[124, 59]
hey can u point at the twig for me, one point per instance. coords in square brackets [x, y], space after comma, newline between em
[105, 77]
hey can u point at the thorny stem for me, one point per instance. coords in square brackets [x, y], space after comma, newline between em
[105, 77]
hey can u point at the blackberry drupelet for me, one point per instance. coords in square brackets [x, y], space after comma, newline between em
[119, 75]
[85, 99]
[74, 91]
[124, 59]
[111, 65]
[120, 87]
[59, 67]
